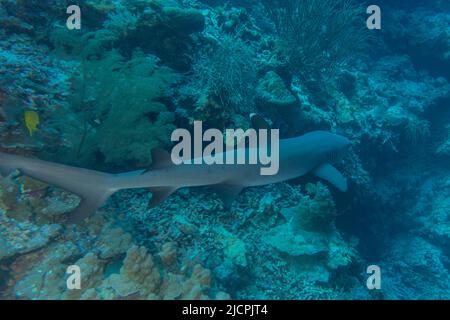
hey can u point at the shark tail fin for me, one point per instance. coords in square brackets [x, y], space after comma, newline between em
[93, 187]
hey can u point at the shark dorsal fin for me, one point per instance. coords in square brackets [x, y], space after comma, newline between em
[227, 193]
[159, 194]
[259, 122]
[161, 159]
[332, 175]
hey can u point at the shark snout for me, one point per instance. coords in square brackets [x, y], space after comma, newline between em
[341, 142]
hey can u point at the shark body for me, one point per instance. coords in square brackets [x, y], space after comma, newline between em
[311, 153]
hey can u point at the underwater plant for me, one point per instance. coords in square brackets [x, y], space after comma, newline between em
[121, 103]
[83, 45]
[121, 22]
[317, 36]
[226, 72]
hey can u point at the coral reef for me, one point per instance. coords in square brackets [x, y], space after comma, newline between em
[18, 238]
[226, 73]
[106, 95]
[272, 91]
[311, 236]
[414, 33]
[316, 37]
[111, 266]
[412, 264]
[147, 123]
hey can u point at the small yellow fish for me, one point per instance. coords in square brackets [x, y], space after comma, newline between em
[31, 121]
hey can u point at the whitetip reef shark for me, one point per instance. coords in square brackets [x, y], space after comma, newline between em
[312, 153]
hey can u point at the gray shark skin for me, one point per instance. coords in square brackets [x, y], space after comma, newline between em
[311, 153]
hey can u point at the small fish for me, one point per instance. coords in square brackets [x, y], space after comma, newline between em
[31, 121]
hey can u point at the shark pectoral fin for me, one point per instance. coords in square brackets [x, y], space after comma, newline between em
[159, 194]
[87, 207]
[227, 193]
[259, 122]
[332, 175]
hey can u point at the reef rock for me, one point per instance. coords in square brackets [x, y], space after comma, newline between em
[46, 278]
[311, 233]
[234, 249]
[411, 265]
[272, 91]
[112, 242]
[23, 237]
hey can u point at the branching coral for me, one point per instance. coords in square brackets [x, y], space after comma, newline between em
[227, 73]
[317, 36]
